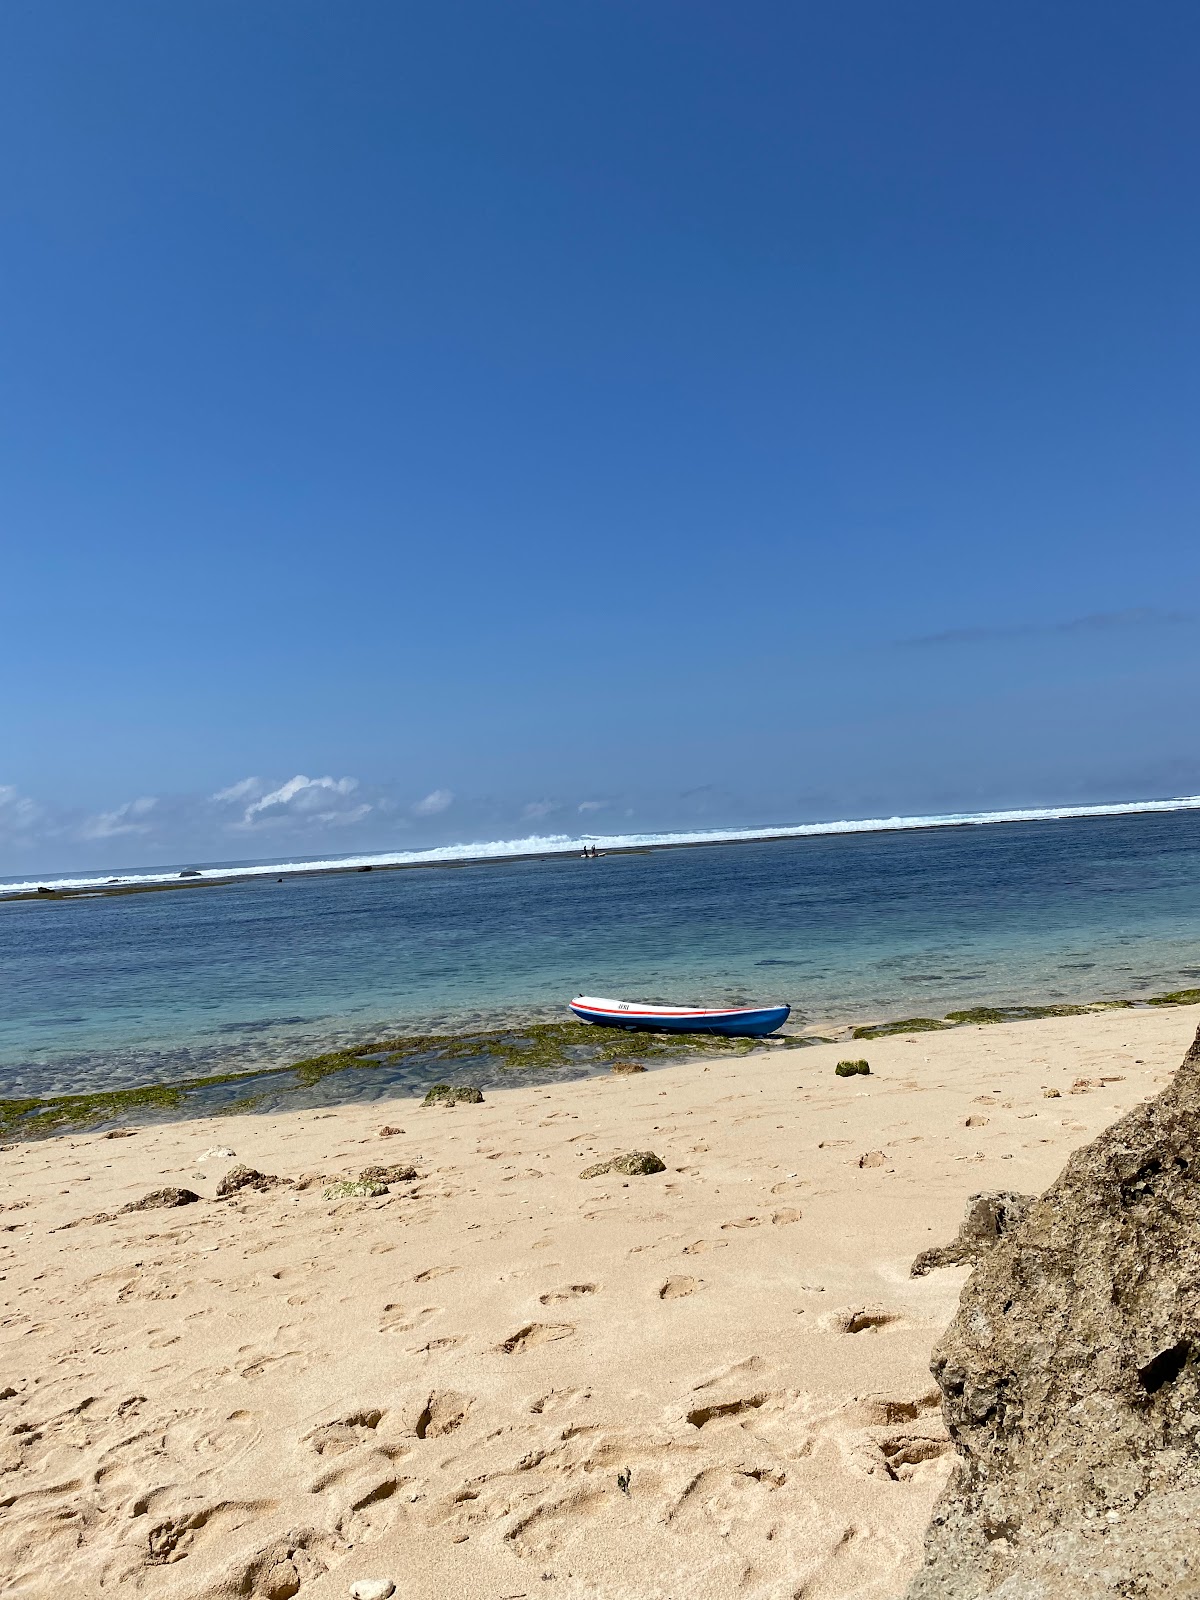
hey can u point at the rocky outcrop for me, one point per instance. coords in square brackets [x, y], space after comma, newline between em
[1070, 1380]
[989, 1217]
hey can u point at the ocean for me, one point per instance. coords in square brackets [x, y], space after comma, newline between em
[105, 992]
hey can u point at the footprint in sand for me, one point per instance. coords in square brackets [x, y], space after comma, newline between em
[787, 1214]
[860, 1319]
[677, 1288]
[701, 1245]
[434, 1272]
[743, 1222]
[399, 1319]
[442, 1413]
[534, 1333]
[572, 1291]
[700, 1416]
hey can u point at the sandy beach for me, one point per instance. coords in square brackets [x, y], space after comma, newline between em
[499, 1379]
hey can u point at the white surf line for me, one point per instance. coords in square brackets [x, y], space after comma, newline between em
[565, 844]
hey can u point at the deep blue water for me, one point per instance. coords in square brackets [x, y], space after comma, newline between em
[95, 992]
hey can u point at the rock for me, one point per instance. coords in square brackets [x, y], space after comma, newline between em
[989, 1216]
[120, 1133]
[281, 1582]
[388, 1132]
[456, 1094]
[1070, 1380]
[190, 872]
[622, 1067]
[239, 1178]
[157, 1199]
[1051, 1094]
[403, 1172]
[635, 1164]
[219, 1152]
[851, 1069]
[372, 1589]
[354, 1189]
[873, 1158]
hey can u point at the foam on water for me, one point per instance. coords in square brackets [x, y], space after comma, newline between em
[568, 844]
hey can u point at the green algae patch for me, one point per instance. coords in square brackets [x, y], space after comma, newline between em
[1181, 997]
[909, 1025]
[31, 1119]
[985, 1014]
[542, 1047]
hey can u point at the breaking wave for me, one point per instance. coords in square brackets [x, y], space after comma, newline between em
[567, 844]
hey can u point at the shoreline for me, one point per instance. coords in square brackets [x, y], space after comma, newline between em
[507, 1054]
[492, 1375]
[95, 886]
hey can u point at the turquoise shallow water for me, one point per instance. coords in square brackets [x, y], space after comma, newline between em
[96, 993]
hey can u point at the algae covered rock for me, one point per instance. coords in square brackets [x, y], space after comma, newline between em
[453, 1094]
[635, 1164]
[157, 1199]
[354, 1189]
[852, 1069]
[1070, 1380]
[401, 1172]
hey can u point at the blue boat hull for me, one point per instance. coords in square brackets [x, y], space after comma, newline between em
[740, 1024]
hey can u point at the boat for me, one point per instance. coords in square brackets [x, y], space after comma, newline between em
[737, 1021]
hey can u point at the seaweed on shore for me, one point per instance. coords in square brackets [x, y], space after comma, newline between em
[881, 1030]
[1181, 997]
[543, 1046]
[985, 1014]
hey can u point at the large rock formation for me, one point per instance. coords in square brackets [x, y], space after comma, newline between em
[1070, 1380]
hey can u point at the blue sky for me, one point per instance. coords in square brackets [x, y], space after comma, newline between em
[702, 414]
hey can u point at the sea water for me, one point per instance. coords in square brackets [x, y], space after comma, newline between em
[110, 991]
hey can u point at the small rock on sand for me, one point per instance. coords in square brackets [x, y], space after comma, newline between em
[388, 1132]
[402, 1172]
[239, 1178]
[159, 1198]
[622, 1067]
[218, 1152]
[351, 1189]
[636, 1164]
[372, 1589]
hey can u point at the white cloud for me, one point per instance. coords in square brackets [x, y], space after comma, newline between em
[18, 813]
[434, 803]
[538, 808]
[242, 790]
[129, 818]
[300, 800]
[592, 805]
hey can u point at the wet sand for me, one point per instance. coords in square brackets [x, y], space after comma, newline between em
[500, 1379]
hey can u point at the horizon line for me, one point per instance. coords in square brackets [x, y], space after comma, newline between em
[536, 845]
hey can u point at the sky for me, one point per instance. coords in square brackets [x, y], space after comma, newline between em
[459, 420]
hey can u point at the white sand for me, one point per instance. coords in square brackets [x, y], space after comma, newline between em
[447, 1386]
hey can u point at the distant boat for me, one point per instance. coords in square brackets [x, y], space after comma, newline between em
[752, 1021]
